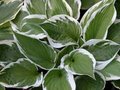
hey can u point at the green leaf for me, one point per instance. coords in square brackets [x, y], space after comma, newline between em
[116, 84]
[114, 32]
[63, 52]
[2, 88]
[36, 7]
[34, 19]
[9, 53]
[62, 30]
[104, 51]
[18, 19]
[21, 74]
[30, 26]
[87, 4]
[75, 5]
[117, 6]
[112, 70]
[87, 83]
[55, 7]
[97, 20]
[101, 49]
[43, 55]
[79, 62]
[58, 79]
[9, 10]
[6, 32]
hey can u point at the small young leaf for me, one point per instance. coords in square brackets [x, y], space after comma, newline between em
[75, 5]
[112, 70]
[9, 10]
[97, 20]
[87, 83]
[58, 79]
[79, 62]
[62, 30]
[38, 52]
[114, 32]
[36, 7]
[55, 7]
[21, 74]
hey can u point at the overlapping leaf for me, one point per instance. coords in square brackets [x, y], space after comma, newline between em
[55, 7]
[112, 70]
[87, 83]
[62, 30]
[87, 4]
[36, 7]
[63, 52]
[37, 51]
[21, 74]
[75, 5]
[10, 10]
[104, 51]
[18, 20]
[58, 79]
[97, 20]
[9, 53]
[114, 32]
[79, 62]
[30, 26]
[6, 32]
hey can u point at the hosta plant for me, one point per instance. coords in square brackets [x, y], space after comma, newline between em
[46, 45]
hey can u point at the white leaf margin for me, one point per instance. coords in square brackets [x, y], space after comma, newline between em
[13, 17]
[36, 84]
[70, 79]
[82, 51]
[15, 29]
[114, 77]
[101, 64]
[93, 15]
[55, 43]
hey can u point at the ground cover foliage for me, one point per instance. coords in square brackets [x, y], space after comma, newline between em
[51, 45]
